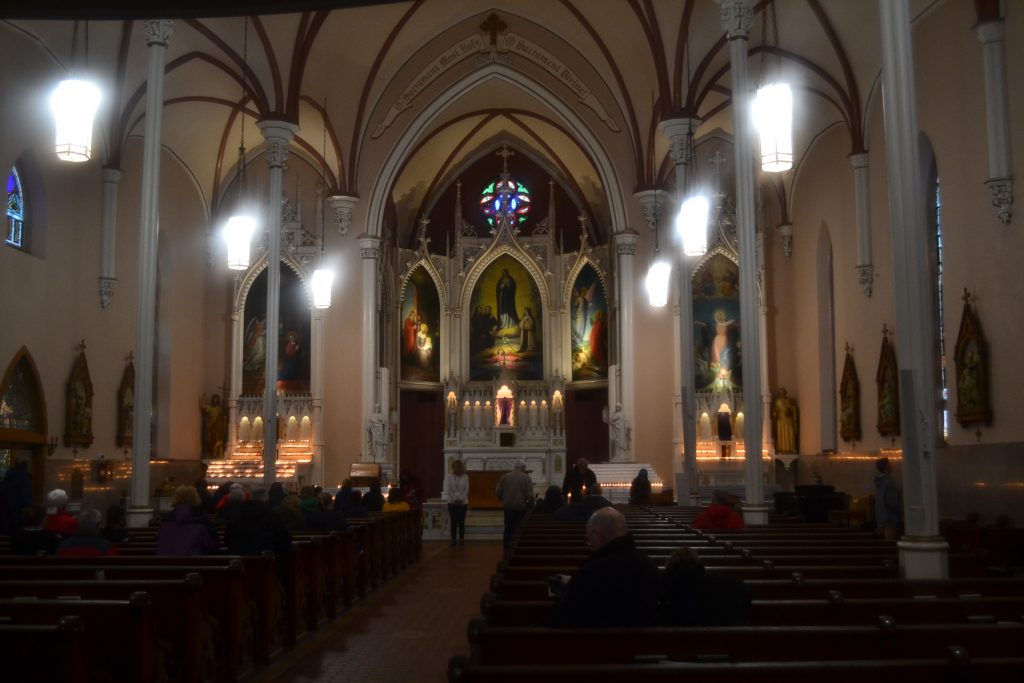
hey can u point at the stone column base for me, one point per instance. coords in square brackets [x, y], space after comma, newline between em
[139, 517]
[923, 557]
[755, 514]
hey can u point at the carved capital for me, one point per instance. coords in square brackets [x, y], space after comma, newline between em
[625, 242]
[651, 203]
[625, 249]
[678, 132]
[990, 32]
[1002, 197]
[866, 278]
[106, 290]
[737, 18]
[112, 175]
[158, 31]
[786, 238]
[369, 246]
[859, 160]
[278, 135]
[342, 205]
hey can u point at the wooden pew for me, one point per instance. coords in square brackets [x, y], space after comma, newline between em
[44, 654]
[119, 638]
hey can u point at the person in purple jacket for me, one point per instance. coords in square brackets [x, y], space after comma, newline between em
[186, 531]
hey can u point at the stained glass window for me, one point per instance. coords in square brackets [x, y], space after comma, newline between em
[17, 404]
[505, 197]
[15, 210]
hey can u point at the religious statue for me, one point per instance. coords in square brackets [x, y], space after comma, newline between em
[786, 421]
[378, 435]
[451, 410]
[215, 427]
[620, 432]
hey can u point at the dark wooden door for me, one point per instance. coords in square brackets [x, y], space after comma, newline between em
[421, 438]
[586, 433]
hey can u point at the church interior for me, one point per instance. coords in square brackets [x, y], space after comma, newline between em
[308, 241]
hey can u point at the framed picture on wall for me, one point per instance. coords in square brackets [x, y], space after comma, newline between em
[126, 403]
[972, 394]
[849, 400]
[887, 380]
[78, 403]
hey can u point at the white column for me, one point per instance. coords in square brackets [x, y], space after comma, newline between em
[678, 132]
[625, 249]
[316, 390]
[923, 554]
[369, 250]
[997, 118]
[762, 335]
[108, 248]
[862, 196]
[158, 32]
[277, 134]
[737, 20]
[237, 333]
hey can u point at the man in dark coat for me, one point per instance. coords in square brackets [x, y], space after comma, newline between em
[579, 476]
[617, 587]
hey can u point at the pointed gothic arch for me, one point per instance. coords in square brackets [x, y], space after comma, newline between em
[22, 402]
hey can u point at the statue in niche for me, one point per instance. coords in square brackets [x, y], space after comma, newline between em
[785, 420]
[378, 435]
[620, 431]
[215, 426]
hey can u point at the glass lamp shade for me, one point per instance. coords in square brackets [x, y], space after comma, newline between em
[692, 225]
[238, 233]
[657, 283]
[74, 103]
[773, 116]
[321, 283]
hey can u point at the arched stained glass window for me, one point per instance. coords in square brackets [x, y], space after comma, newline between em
[15, 210]
[505, 196]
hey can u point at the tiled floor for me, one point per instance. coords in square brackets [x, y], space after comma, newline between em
[405, 631]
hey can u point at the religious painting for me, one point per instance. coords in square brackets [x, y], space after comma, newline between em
[78, 403]
[849, 400]
[292, 364]
[718, 364]
[972, 395]
[420, 346]
[506, 335]
[589, 326]
[887, 379]
[126, 404]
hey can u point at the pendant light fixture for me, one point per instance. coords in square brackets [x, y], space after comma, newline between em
[241, 225]
[74, 103]
[323, 277]
[692, 225]
[773, 108]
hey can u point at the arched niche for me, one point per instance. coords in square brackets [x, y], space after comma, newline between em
[23, 421]
[421, 323]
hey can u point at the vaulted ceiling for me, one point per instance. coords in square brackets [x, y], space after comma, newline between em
[409, 93]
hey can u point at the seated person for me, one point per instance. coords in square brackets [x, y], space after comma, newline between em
[594, 500]
[186, 530]
[551, 501]
[58, 520]
[289, 513]
[374, 500]
[116, 528]
[33, 539]
[576, 509]
[395, 502]
[640, 489]
[255, 529]
[692, 597]
[719, 515]
[356, 507]
[87, 542]
[327, 518]
[617, 586]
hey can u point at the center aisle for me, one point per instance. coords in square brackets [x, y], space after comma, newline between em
[405, 631]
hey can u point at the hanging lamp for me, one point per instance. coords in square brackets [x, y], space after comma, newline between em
[74, 103]
[692, 225]
[323, 277]
[242, 224]
[773, 109]
[659, 272]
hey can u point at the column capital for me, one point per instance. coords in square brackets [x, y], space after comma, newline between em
[991, 31]
[858, 160]
[278, 135]
[369, 246]
[112, 174]
[786, 238]
[625, 242]
[737, 18]
[158, 31]
[651, 202]
[678, 131]
[342, 205]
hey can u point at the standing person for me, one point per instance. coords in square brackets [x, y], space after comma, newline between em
[888, 511]
[186, 531]
[457, 486]
[617, 586]
[578, 477]
[640, 489]
[515, 489]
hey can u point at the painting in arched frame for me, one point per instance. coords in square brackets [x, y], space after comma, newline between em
[718, 365]
[506, 336]
[588, 326]
[419, 348]
[292, 358]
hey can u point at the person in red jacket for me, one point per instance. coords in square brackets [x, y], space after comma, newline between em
[719, 515]
[57, 518]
